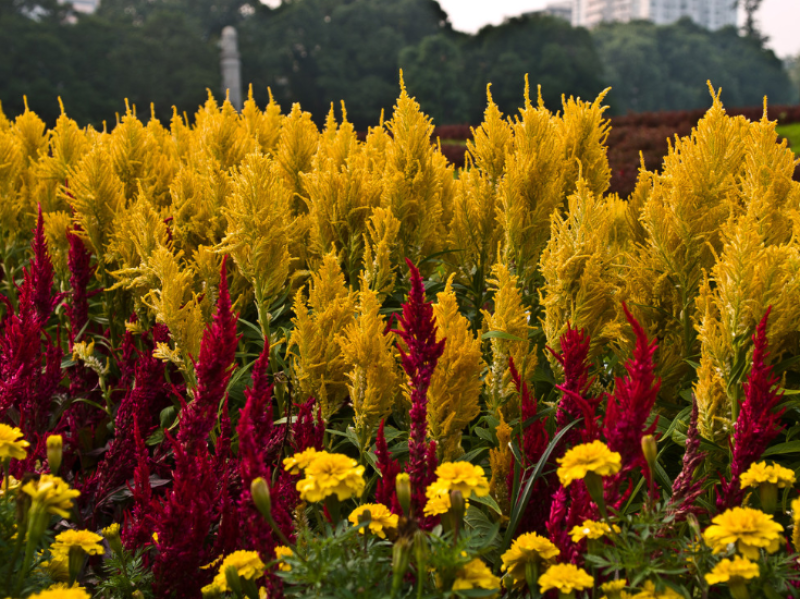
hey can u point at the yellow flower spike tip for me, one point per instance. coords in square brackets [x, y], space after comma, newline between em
[567, 578]
[12, 445]
[591, 530]
[464, 477]
[476, 575]
[729, 571]
[52, 494]
[331, 474]
[615, 589]
[281, 552]
[380, 518]
[649, 592]
[59, 592]
[86, 540]
[593, 457]
[749, 529]
[299, 461]
[248, 566]
[796, 524]
[759, 473]
[528, 548]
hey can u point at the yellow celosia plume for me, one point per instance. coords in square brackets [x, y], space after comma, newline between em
[582, 280]
[456, 384]
[370, 364]
[320, 367]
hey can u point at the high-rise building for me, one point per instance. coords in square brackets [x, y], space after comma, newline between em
[711, 14]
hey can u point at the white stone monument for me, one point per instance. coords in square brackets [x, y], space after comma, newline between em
[231, 67]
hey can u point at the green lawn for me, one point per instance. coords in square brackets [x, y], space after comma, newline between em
[792, 133]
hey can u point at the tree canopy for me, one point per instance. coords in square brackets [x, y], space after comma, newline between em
[318, 52]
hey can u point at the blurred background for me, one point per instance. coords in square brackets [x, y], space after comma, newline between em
[655, 54]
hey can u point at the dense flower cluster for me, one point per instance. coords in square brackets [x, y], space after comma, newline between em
[264, 359]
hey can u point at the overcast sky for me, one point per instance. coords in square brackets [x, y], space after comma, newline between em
[779, 19]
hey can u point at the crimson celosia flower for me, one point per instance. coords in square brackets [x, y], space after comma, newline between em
[30, 363]
[182, 520]
[759, 420]
[419, 357]
[389, 468]
[259, 441]
[40, 270]
[632, 402]
[308, 432]
[138, 410]
[136, 529]
[213, 369]
[685, 490]
[574, 360]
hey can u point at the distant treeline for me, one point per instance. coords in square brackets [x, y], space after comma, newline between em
[165, 53]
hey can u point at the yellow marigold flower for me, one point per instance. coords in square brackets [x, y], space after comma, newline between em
[52, 494]
[796, 524]
[775, 474]
[615, 589]
[59, 592]
[299, 461]
[12, 446]
[211, 590]
[282, 551]
[526, 549]
[438, 495]
[566, 578]
[58, 565]
[590, 457]
[248, 566]
[213, 564]
[649, 592]
[331, 473]
[464, 477]
[89, 542]
[727, 570]
[380, 518]
[591, 530]
[749, 529]
[476, 575]
[112, 530]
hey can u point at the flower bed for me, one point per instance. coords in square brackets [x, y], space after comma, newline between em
[243, 357]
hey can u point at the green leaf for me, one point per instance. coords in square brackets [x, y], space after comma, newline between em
[783, 448]
[521, 502]
[500, 335]
[488, 500]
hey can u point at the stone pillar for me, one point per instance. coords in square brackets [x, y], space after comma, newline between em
[231, 67]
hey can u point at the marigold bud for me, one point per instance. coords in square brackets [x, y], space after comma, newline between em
[457, 506]
[55, 451]
[259, 491]
[232, 578]
[650, 451]
[401, 554]
[403, 487]
[111, 533]
[76, 559]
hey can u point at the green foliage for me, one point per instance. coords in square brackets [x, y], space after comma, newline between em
[125, 573]
[652, 67]
[792, 133]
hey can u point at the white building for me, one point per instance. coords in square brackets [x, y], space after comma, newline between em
[711, 14]
[86, 6]
[561, 9]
